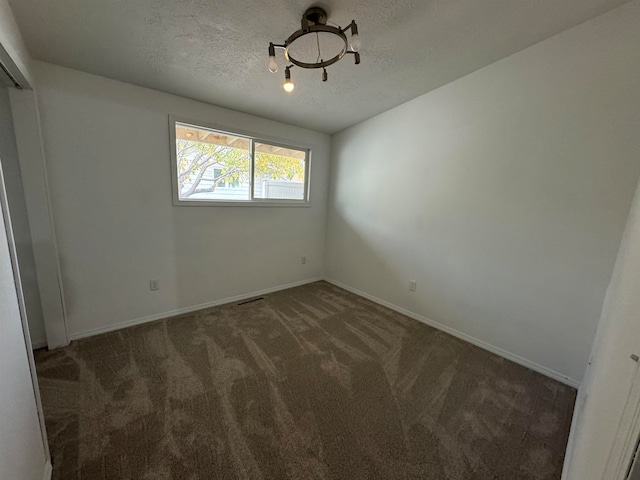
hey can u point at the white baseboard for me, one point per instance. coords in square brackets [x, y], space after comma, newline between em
[35, 345]
[182, 311]
[47, 471]
[463, 336]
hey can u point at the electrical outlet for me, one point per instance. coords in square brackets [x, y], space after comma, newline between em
[412, 285]
[303, 260]
[154, 285]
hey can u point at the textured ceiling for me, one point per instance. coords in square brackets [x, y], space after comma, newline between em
[216, 51]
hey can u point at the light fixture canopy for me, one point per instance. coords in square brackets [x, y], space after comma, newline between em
[314, 21]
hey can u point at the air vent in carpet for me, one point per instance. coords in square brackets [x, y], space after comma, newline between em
[251, 301]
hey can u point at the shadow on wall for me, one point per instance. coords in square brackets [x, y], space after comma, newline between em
[368, 255]
[247, 249]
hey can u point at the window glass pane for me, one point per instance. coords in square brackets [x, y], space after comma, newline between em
[279, 172]
[211, 165]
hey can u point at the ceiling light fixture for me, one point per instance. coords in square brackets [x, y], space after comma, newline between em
[314, 21]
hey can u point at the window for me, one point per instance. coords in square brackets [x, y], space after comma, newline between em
[215, 167]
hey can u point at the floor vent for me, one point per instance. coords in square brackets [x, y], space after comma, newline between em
[251, 301]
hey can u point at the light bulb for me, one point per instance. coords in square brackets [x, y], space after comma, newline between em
[355, 42]
[273, 66]
[288, 85]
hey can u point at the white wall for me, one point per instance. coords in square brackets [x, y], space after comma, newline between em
[20, 221]
[504, 194]
[22, 454]
[107, 149]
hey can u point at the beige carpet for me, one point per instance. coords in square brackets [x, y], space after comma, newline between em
[308, 383]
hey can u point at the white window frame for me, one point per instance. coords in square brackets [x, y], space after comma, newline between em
[253, 138]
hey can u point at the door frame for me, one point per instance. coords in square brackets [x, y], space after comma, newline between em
[4, 205]
[622, 452]
[29, 142]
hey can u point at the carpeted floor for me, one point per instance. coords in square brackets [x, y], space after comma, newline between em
[308, 383]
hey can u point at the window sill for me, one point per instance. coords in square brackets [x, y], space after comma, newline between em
[242, 203]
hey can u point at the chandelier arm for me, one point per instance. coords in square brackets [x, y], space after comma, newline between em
[352, 26]
[356, 55]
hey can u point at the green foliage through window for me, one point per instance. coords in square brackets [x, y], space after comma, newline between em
[213, 165]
